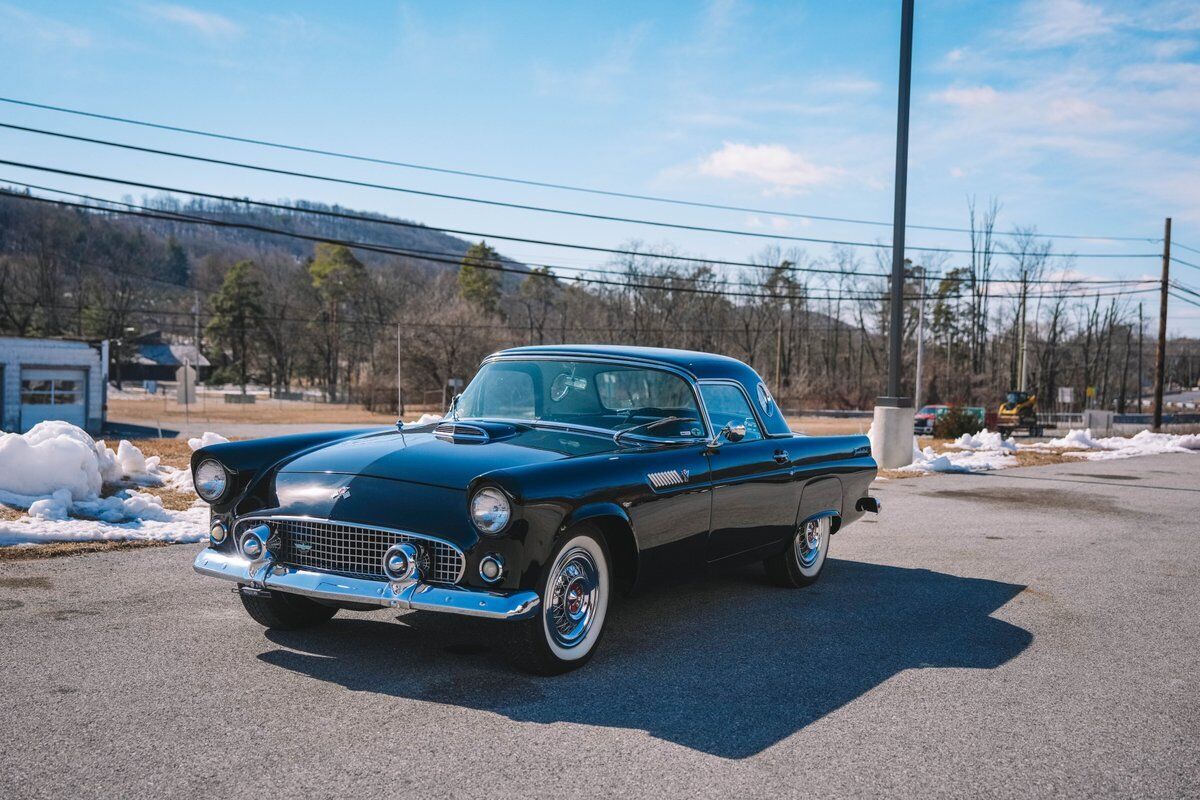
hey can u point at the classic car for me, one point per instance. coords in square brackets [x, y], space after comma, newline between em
[560, 477]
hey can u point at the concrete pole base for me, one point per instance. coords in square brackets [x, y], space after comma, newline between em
[892, 436]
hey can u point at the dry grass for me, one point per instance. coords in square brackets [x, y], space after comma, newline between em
[165, 411]
[829, 426]
[56, 549]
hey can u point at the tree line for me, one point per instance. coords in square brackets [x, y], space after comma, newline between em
[294, 314]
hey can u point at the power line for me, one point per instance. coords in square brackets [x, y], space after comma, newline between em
[169, 216]
[504, 204]
[414, 225]
[401, 223]
[523, 181]
[433, 255]
[1184, 263]
[1183, 299]
[1184, 246]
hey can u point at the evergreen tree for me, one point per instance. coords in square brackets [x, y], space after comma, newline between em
[236, 309]
[337, 276]
[175, 266]
[478, 278]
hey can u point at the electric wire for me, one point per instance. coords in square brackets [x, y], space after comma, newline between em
[522, 181]
[502, 203]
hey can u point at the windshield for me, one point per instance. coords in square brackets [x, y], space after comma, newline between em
[1016, 397]
[611, 397]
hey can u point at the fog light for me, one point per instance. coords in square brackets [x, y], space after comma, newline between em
[253, 543]
[400, 562]
[217, 533]
[491, 567]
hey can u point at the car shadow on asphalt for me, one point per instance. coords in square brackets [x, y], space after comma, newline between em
[727, 666]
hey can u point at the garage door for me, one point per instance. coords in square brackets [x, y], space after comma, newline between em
[53, 394]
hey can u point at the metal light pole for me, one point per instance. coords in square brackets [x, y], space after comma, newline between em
[920, 344]
[893, 425]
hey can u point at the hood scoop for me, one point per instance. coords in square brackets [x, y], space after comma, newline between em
[473, 432]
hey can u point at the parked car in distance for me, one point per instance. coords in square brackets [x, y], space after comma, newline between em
[926, 418]
[562, 476]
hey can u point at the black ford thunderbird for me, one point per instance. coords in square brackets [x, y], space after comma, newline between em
[561, 476]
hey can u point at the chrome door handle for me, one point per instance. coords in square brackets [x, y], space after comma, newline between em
[782, 457]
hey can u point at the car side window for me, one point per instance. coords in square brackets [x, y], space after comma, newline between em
[728, 404]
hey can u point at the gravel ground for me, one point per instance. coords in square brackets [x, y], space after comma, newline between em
[1027, 633]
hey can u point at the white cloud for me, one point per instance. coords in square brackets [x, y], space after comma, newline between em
[206, 23]
[19, 24]
[955, 55]
[1053, 23]
[781, 169]
[968, 96]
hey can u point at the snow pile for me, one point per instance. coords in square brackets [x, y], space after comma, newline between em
[57, 471]
[427, 419]
[970, 460]
[984, 440]
[1144, 443]
[205, 439]
[59, 457]
[180, 526]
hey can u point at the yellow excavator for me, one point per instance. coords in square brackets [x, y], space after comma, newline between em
[1017, 412]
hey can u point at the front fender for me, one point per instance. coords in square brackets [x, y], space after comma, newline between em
[594, 511]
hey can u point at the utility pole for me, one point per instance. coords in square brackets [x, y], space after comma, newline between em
[779, 353]
[1141, 348]
[920, 342]
[399, 372]
[893, 423]
[1023, 373]
[1160, 355]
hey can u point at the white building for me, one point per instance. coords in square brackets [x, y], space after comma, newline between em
[43, 379]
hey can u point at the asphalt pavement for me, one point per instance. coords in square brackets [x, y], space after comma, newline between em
[1027, 633]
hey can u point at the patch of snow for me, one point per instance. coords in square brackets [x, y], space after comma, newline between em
[967, 461]
[205, 439]
[427, 419]
[984, 440]
[1143, 443]
[57, 472]
[180, 526]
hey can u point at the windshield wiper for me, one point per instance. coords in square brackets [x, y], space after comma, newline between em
[648, 425]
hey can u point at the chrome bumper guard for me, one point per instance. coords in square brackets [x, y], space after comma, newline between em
[413, 594]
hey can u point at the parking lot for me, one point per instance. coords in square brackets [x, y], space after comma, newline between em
[1031, 631]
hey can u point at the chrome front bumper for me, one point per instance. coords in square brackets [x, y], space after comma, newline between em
[263, 574]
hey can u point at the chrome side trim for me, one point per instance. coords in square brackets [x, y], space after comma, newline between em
[665, 479]
[387, 594]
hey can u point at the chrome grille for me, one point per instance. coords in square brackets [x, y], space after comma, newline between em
[357, 550]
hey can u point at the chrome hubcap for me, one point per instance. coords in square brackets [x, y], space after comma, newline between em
[808, 543]
[574, 595]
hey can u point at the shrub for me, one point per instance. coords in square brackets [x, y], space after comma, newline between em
[954, 423]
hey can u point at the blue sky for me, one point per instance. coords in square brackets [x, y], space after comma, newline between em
[1080, 117]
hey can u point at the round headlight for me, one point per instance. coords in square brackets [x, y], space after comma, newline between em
[490, 510]
[210, 480]
[217, 533]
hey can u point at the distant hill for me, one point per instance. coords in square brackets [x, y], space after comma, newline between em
[199, 239]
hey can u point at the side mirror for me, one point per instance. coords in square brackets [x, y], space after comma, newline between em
[733, 431]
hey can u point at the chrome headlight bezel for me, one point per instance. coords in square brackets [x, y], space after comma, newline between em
[199, 484]
[490, 510]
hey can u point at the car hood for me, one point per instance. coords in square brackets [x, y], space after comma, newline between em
[424, 458]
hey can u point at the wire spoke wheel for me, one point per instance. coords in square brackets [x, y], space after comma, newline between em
[573, 597]
[810, 542]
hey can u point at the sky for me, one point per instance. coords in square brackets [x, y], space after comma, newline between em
[1078, 117]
